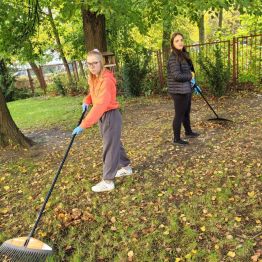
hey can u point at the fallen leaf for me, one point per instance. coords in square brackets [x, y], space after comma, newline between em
[203, 228]
[238, 219]
[251, 194]
[231, 254]
[130, 255]
[113, 219]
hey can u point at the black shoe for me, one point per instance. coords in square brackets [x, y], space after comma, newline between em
[180, 142]
[192, 134]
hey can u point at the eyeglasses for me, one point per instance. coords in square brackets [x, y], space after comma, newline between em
[92, 64]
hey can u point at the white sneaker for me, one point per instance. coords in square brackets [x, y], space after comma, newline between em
[104, 185]
[124, 171]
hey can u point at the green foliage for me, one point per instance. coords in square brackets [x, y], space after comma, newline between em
[7, 85]
[6, 81]
[216, 73]
[134, 71]
[59, 86]
[151, 84]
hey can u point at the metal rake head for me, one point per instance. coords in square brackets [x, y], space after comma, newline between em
[219, 119]
[13, 250]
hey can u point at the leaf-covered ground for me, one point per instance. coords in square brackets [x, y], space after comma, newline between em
[201, 202]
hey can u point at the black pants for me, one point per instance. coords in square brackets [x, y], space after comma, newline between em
[182, 104]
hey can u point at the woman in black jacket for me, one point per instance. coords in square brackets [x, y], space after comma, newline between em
[180, 72]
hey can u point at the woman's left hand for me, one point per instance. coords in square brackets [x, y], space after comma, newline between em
[193, 82]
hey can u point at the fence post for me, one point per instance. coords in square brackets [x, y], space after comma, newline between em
[234, 62]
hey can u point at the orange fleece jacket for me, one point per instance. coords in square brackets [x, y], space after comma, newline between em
[103, 97]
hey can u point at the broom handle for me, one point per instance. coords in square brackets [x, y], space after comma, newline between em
[207, 102]
[52, 186]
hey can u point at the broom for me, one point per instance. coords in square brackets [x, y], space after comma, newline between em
[29, 249]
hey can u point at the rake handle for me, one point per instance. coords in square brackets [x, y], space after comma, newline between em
[53, 185]
[207, 102]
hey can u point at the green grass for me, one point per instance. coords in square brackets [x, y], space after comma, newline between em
[44, 112]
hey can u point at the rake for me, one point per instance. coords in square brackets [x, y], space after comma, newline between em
[29, 249]
[217, 118]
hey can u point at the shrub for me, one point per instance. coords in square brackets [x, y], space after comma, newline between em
[7, 85]
[216, 73]
[133, 73]
[59, 86]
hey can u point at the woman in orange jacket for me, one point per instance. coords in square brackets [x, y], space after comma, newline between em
[105, 111]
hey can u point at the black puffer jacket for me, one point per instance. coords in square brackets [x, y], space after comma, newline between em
[178, 75]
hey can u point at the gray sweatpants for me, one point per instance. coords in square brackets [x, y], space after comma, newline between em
[114, 155]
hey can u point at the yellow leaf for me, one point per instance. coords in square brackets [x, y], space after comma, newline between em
[216, 246]
[251, 194]
[231, 254]
[203, 228]
[238, 219]
[178, 259]
[6, 188]
[130, 253]
[42, 234]
[4, 211]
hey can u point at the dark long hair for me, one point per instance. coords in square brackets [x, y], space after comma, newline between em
[181, 54]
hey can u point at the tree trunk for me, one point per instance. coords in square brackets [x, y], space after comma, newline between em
[201, 27]
[59, 45]
[220, 19]
[39, 74]
[166, 40]
[31, 82]
[82, 71]
[9, 132]
[75, 69]
[94, 26]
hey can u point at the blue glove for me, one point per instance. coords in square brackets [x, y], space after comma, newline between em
[193, 82]
[78, 130]
[84, 107]
[197, 90]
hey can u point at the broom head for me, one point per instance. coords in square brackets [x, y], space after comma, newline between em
[14, 250]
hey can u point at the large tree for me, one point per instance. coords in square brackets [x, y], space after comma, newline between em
[9, 132]
[17, 24]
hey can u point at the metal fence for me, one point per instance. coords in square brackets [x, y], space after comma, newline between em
[241, 55]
